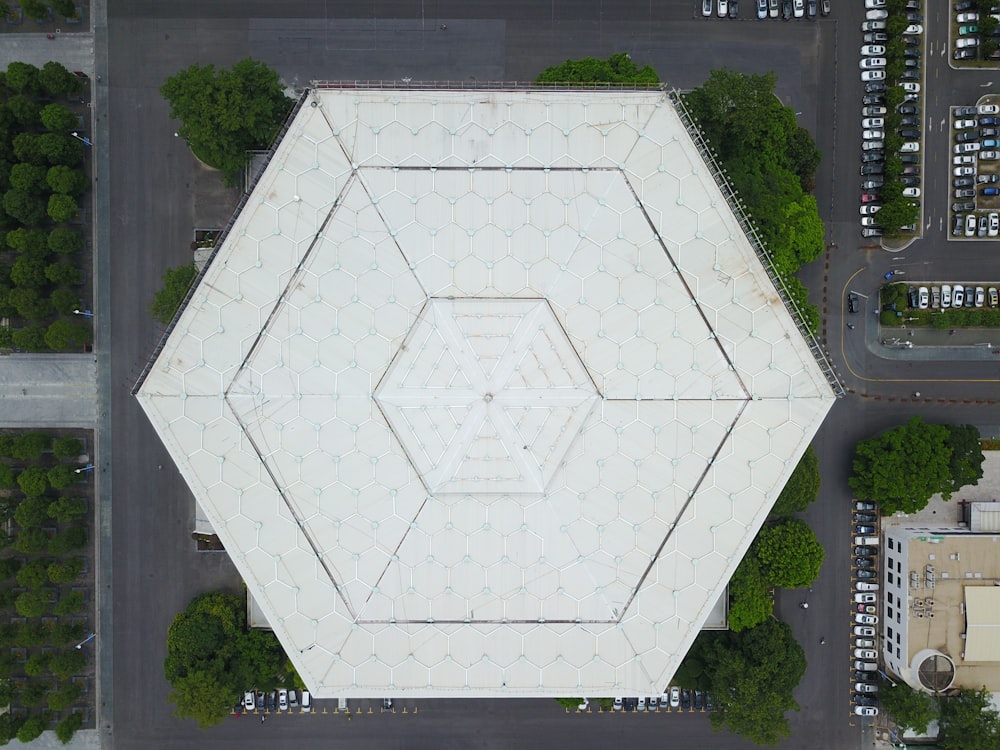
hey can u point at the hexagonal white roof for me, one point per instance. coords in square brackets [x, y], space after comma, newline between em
[486, 392]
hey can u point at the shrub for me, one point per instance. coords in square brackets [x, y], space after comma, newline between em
[34, 693]
[32, 511]
[67, 509]
[34, 9]
[34, 575]
[66, 334]
[62, 208]
[64, 696]
[62, 476]
[33, 481]
[66, 632]
[73, 538]
[32, 728]
[7, 598]
[67, 605]
[68, 662]
[176, 282]
[37, 664]
[32, 634]
[65, 8]
[30, 541]
[30, 446]
[32, 603]
[64, 572]
[32, 338]
[66, 447]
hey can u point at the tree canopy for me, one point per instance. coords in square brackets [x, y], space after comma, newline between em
[619, 68]
[911, 709]
[212, 657]
[226, 113]
[750, 600]
[802, 487]
[969, 721]
[902, 468]
[752, 675]
[790, 555]
[176, 282]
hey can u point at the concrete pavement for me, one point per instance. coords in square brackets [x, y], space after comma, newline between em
[48, 390]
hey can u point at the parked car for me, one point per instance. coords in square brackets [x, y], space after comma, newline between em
[872, 50]
[873, 99]
[988, 109]
[992, 297]
[965, 193]
[248, 700]
[957, 223]
[866, 710]
[282, 699]
[908, 109]
[865, 687]
[994, 218]
[864, 562]
[958, 293]
[988, 179]
[864, 630]
[865, 574]
[865, 598]
[935, 297]
[862, 517]
[965, 124]
[910, 146]
[989, 155]
[865, 653]
[873, 111]
[966, 148]
[685, 699]
[967, 136]
[966, 18]
[865, 666]
[946, 290]
[964, 206]
[980, 296]
[990, 191]
[911, 192]
[966, 42]
[963, 54]
[865, 586]
[864, 529]
[873, 122]
[306, 702]
[865, 550]
[969, 294]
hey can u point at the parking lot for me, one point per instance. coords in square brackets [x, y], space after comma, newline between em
[864, 609]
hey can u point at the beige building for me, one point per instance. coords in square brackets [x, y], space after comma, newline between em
[941, 625]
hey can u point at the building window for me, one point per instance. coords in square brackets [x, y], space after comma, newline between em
[898, 638]
[891, 577]
[891, 611]
[889, 631]
[889, 597]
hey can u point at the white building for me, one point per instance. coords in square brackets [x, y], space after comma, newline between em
[486, 392]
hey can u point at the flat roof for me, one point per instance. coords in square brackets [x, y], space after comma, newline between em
[486, 392]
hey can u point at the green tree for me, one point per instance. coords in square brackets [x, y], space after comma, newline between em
[62, 476]
[802, 487]
[70, 540]
[64, 696]
[64, 334]
[68, 604]
[62, 207]
[68, 662]
[25, 110]
[9, 567]
[969, 721]
[37, 664]
[32, 511]
[66, 632]
[25, 207]
[30, 446]
[750, 601]
[68, 726]
[33, 727]
[60, 149]
[63, 179]
[902, 468]
[753, 674]
[203, 696]
[34, 9]
[29, 271]
[790, 555]
[65, 8]
[34, 575]
[7, 478]
[619, 68]
[22, 76]
[33, 481]
[31, 306]
[65, 241]
[67, 509]
[65, 571]
[9, 726]
[58, 119]
[34, 693]
[31, 339]
[66, 447]
[911, 709]
[176, 282]
[28, 148]
[32, 242]
[897, 214]
[32, 603]
[57, 80]
[226, 113]
[803, 158]
[28, 178]
[30, 541]
[64, 271]
[966, 462]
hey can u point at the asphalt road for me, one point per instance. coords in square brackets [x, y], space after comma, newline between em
[152, 213]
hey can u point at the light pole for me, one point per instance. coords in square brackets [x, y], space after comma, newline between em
[82, 138]
[84, 469]
[84, 313]
[86, 640]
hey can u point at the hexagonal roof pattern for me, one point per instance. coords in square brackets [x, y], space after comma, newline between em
[486, 392]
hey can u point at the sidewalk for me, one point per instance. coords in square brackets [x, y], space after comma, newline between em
[927, 344]
[48, 390]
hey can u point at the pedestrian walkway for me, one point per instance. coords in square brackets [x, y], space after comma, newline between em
[84, 739]
[74, 50]
[48, 390]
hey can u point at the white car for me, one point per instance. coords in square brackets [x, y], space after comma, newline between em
[909, 147]
[967, 18]
[923, 302]
[618, 703]
[876, 15]
[868, 598]
[872, 4]
[862, 630]
[968, 41]
[869, 221]
[865, 653]
[872, 50]
[865, 687]
[866, 619]
[675, 697]
[761, 9]
[964, 171]
[873, 111]
[970, 231]
[873, 135]
[248, 701]
[723, 8]
[868, 209]
[706, 7]
[866, 710]
[872, 75]
[910, 87]
[989, 155]
[872, 145]
[958, 293]
[799, 8]
[865, 586]
[873, 122]
[864, 643]
[283, 699]
[965, 124]
[914, 28]
[967, 148]
[988, 109]
[964, 160]
[946, 290]
[994, 229]
[870, 63]
[911, 192]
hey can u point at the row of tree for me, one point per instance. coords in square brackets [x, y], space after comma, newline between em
[37, 10]
[772, 163]
[967, 719]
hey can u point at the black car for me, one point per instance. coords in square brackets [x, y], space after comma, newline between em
[876, 87]
[910, 75]
[909, 158]
[864, 562]
[734, 8]
[911, 40]
[914, 18]
[911, 170]
[867, 169]
[862, 676]
[964, 5]
[865, 551]
[786, 10]
[862, 528]
[910, 180]
[964, 54]
[957, 224]
[709, 702]
[909, 121]
[966, 111]
[910, 133]
[908, 109]
[271, 700]
[260, 701]
[865, 517]
[963, 206]
[699, 700]
[961, 182]
[876, 37]
[685, 693]
[865, 574]
[966, 136]
[863, 700]
[911, 301]
[872, 156]
[970, 296]
[873, 100]
[912, 52]
[852, 302]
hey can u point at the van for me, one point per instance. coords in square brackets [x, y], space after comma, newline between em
[866, 666]
[341, 704]
[866, 541]
[306, 702]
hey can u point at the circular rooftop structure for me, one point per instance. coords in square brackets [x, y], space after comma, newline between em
[935, 670]
[486, 392]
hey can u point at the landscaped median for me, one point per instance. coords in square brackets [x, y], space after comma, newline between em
[897, 307]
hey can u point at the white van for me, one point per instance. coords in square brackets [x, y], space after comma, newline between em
[306, 702]
[866, 541]
[341, 704]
